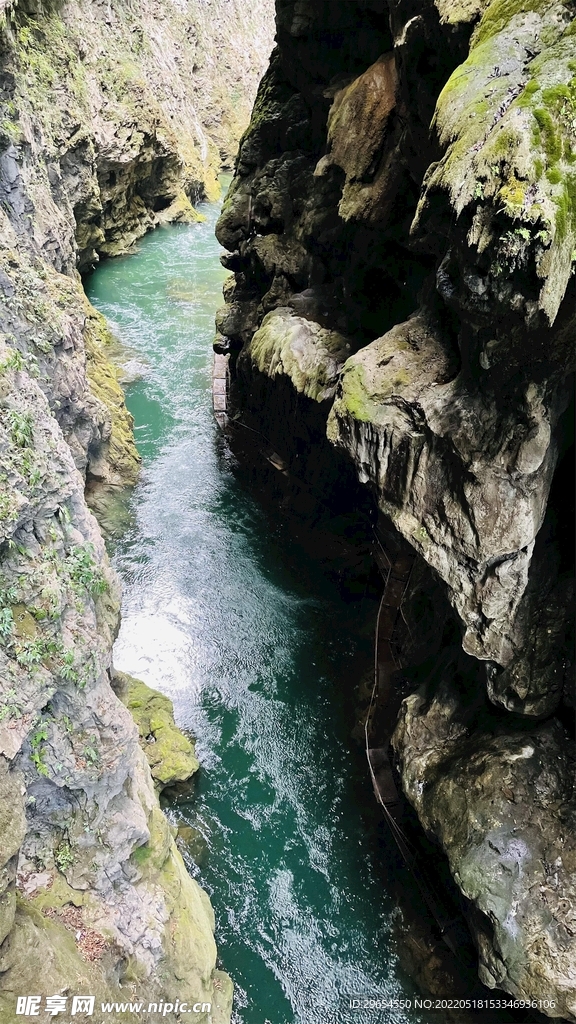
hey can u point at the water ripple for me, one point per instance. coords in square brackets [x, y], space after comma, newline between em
[255, 651]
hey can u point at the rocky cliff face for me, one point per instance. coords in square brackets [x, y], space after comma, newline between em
[112, 118]
[402, 231]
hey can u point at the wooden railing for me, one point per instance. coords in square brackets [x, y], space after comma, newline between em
[396, 572]
[220, 389]
[396, 575]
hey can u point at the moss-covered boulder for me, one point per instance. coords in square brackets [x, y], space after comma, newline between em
[169, 752]
[41, 956]
[506, 122]
[309, 355]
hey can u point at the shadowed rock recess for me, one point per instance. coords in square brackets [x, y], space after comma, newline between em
[402, 231]
[113, 118]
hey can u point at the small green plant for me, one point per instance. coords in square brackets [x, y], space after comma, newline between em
[64, 857]
[10, 131]
[51, 595]
[43, 345]
[63, 513]
[29, 653]
[512, 251]
[141, 854]
[83, 571]
[91, 754]
[8, 511]
[8, 595]
[16, 361]
[21, 428]
[37, 749]
[27, 465]
[10, 706]
[6, 623]
[68, 670]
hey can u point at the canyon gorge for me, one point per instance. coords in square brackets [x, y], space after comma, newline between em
[399, 331]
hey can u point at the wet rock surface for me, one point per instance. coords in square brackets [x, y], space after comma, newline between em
[444, 255]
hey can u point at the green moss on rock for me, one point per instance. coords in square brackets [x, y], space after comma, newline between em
[40, 956]
[59, 894]
[117, 461]
[181, 211]
[500, 13]
[510, 140]
[311, 356]
[460, 12]
[169, 752]
[189, 947]
[355, 397]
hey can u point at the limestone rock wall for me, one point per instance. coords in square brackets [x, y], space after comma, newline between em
[113, 117]
[407, 185]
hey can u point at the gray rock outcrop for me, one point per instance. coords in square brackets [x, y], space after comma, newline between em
[444, 255]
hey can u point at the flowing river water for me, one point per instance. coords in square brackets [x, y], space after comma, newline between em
[257, 651]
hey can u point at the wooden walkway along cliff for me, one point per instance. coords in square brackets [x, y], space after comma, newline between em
[220, 389]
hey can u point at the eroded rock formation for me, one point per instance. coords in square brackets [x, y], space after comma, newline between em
[113, 118]
[402, 231]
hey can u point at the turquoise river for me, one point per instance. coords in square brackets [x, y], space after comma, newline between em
[259, 655]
